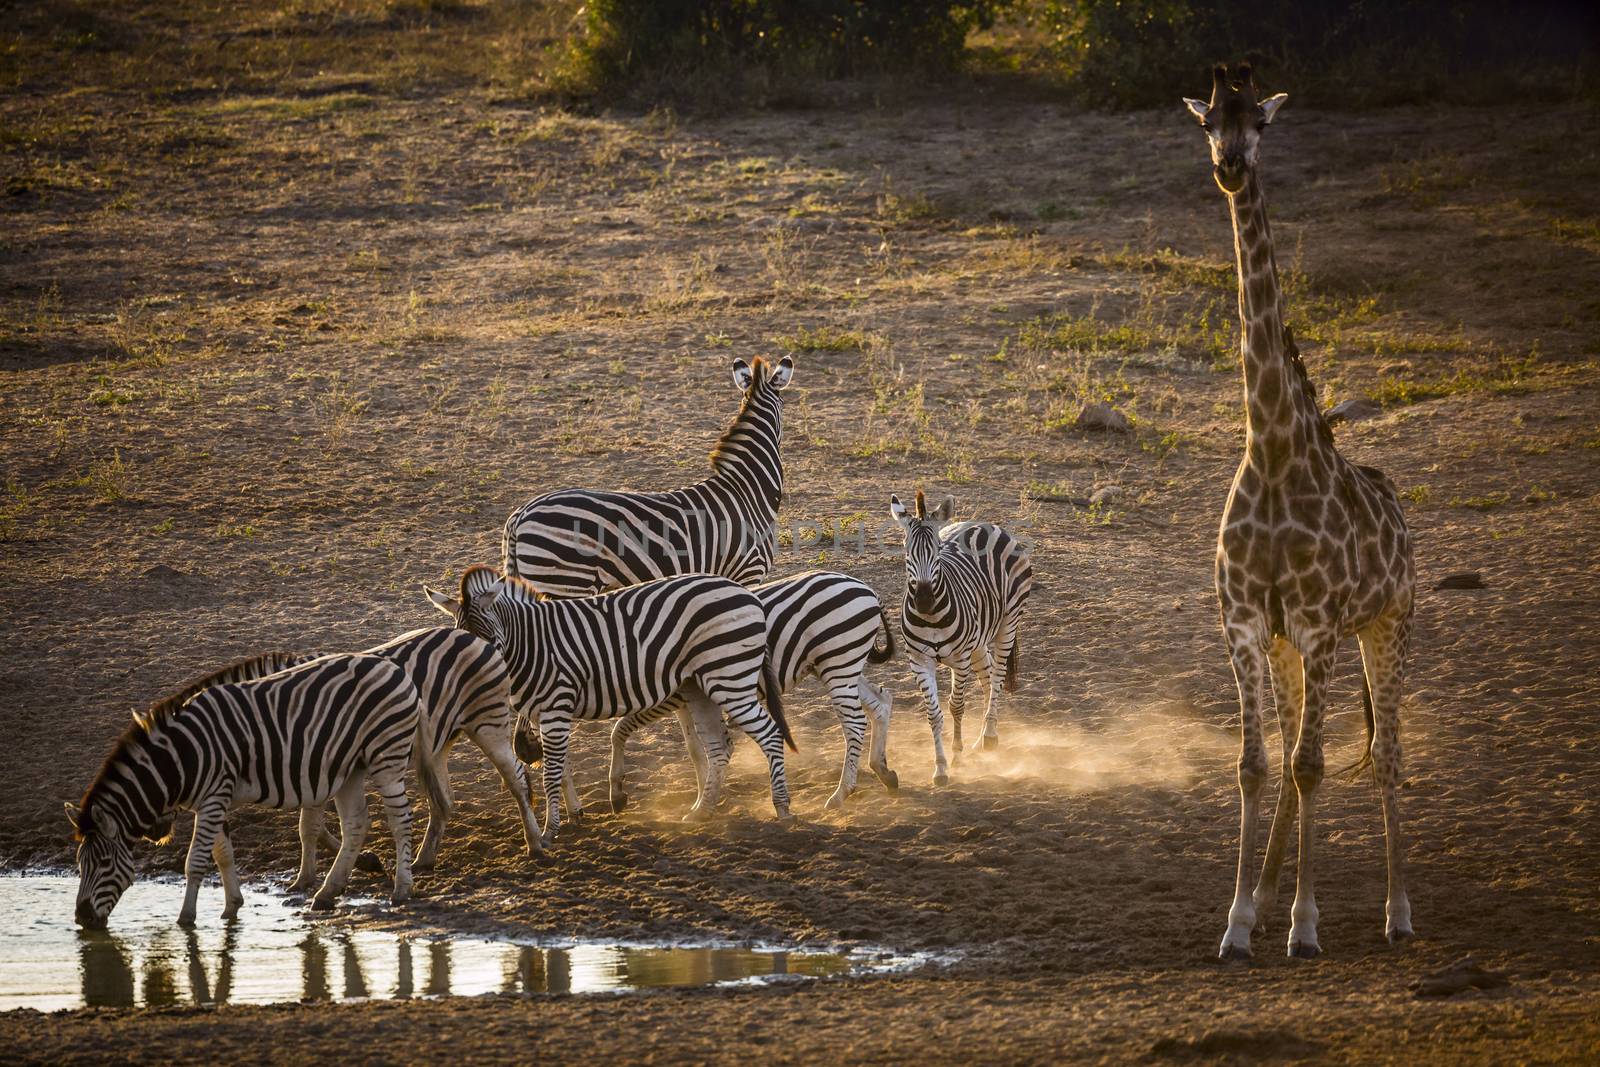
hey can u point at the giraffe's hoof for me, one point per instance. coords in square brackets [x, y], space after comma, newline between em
[619, 803]
[1233, 952]
[369, 862]
[941, 779]
[1304, 950]
[1400, 936]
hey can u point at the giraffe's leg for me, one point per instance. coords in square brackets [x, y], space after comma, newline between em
[986, 671]
[207, 826]
[853, 721]
[1319, 656]
[927, 672]
[351, 802]
[880, 702]
[960, 686]
[1288, 688]
[1249, 671]
[222, 853]
[495, 743]
[1383, 652]
[311, 831]
[625, 728]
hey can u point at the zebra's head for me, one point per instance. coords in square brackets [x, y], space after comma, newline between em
[922, 546]
[472, 610]
[757, 374]
[105, 865]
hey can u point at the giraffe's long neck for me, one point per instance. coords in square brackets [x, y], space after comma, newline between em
[1274, 423]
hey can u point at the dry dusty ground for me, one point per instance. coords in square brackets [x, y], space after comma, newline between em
[270, 361]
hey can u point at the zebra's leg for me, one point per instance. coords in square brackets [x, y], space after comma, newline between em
[927, 672]
[758, 723]
[706, 735]
[853, 721]
[495, 743]
[207, 826]
[989, 681]
[351, 802]
[325, 836]
[311, 830]
[553, 736]
[435, 774]
[391, 783]
[222, 854]
[960, 686]
[625, 728]
[879, 702]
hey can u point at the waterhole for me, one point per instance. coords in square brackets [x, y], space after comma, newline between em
[272, 954]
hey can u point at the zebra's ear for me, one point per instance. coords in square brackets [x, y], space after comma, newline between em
[447, 604]
[782, 374]
[160, 833]
[946, 508]
[73, 814]
[741, 374]
[898, 511]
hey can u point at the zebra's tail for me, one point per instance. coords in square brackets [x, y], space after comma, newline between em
[1011, 666]
[525, 741]
[771, 695]
[887, 652]
[1365, 761]
[430, 779]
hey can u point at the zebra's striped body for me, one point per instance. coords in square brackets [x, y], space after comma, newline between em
[966, 584]
[290, 740]
[464, 689]
[604, 656]
[578, 542]
[820, 623]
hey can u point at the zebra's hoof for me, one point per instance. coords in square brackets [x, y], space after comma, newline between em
[889, 779]
[619, 803]
[1304, 950]
[941, 779]
[186, 919]
[991, 742]
[1400, 936]
[422, 865]
[369, 861]
[322, 903]
[1233, 952]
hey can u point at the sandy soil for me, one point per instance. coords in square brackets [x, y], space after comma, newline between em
[270, 363]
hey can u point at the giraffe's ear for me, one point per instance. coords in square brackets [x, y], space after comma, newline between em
[898, 511]
[1270, 106]
[1197, 108]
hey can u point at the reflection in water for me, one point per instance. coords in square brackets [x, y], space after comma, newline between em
[270, 954]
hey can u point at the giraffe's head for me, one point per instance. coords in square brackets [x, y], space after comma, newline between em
[1233, 121]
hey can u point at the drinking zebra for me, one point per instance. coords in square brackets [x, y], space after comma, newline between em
[604, 656]
[577, 542]
[820, 623]
[464, 689]
[965, 587]
[290, 740]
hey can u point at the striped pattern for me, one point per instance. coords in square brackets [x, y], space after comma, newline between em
[604, 656]
[965, 588]
[290, 740]
[820, 623]
[578, 542]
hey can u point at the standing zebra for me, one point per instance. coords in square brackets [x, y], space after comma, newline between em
[965, 587]
[603, 656]
[820, 623]
[290, 740]
[577, 542]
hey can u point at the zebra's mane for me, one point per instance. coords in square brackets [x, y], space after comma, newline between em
[760, 371]
[145, 723]
[513, 580]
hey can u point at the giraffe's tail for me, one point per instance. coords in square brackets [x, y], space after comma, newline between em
[1355, 769]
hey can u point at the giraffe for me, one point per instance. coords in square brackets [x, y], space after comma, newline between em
[1312, 549]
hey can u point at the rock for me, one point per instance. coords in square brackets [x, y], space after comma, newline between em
[1461, 580]
[1400, 367]
[1460, 976]
[1104, 417]
[1106, 494]
[1352, 411]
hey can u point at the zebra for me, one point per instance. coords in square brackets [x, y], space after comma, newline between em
[289, 740]
[464, 689]
[965, 587]
[821, 623]
[604, 656]
[578, 542]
